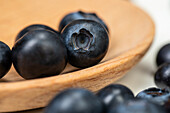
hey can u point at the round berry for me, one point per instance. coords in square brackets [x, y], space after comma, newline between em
[40, 53]
[75, 101]
[167, 106]
[137, 106]
[162, 76]
[34, 27]
[5, 59]
[156, 95]
[80, 15]
[163, 55]
[87, 42]
[115, 94]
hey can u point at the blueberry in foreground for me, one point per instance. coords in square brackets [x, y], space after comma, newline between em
[5, 59]
[162, 76]
[80, 15]
[115, 94]
[75, 100]
[34, 27]
[40, 53]
[87, 42]
[163, 55]
[157, 95]
[137, 106]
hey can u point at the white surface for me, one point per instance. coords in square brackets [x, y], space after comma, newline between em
[142, 75]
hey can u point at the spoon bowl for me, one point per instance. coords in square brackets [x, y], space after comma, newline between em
[131, 33]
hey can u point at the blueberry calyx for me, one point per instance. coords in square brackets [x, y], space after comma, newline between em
[156, 91]
[81, 41]
[86, 41]
[152, 92]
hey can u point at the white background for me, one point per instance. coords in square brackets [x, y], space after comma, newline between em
[142, 75]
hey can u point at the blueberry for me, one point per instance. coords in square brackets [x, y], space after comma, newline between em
[75, 100]
[80, 15]
[115, 94]
[163, 55]
[156, 95]
[5, 59]
[33, 27]
[87, 42]
[137, 106]
[162, 76]
[167, 106]
[40, 53]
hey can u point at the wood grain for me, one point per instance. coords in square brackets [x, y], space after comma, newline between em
[131, 34]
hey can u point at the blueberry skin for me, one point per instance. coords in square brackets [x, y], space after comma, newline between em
[75, 100]
[137, 106]
[167, 106]
[115, 94]
[80, 15]
[162, 76]
[156, 95]
[87, 42]
[40, 53]
[34, 27]
[163, 55]
[5, 59]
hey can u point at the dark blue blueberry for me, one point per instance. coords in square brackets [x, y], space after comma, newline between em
[163, 55]
[162, 76]
[75, 101]
[137, 106]
[167, 106]
[33, 27]
[40, 53]
[156, 95]
[115, 94]
[87, 42]
[80, 15]
[5, 59]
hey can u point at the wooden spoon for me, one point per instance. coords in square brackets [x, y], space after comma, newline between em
[131, 34]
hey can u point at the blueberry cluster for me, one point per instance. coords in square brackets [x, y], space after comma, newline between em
[160, 95]
[114, 98]
[117, 98]
[40, 51]
[162, 75]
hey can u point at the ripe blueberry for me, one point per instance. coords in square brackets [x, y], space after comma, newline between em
[115, 94]
[33, 27]
[162, 76]
[80, 15]
[75, 101]
[137, 106]
[87, 42]
[163, 55]
[156, 95]
[40, 53]
[5, 59]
